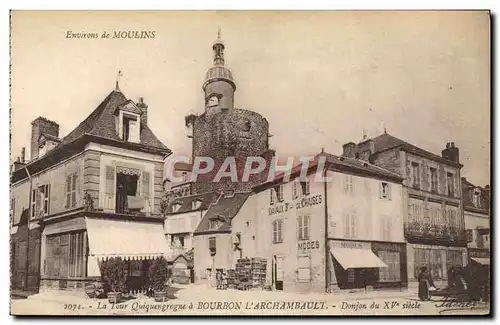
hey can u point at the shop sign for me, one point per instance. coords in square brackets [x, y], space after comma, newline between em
[479, 253]
[308, 245]
[350, 244]
[309, 201]
[304, 202]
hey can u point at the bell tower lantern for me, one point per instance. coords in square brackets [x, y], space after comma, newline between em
[219, 86]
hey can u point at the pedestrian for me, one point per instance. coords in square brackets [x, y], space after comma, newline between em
[218, 279]
[425, 284]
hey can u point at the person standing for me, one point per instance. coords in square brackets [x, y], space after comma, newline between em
[424, 284]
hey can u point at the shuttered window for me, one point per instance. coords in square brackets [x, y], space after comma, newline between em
[303, 227]
[66, 255]
[71, 185]
[277, 231]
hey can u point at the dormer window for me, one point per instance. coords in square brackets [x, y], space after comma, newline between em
[196, 204]
[130, 131]
[129, 126]
[176, 207]
[476, 198]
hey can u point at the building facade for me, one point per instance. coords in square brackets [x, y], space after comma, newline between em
[308, 230]
[88, 196]
[477, 204]
[433, 212]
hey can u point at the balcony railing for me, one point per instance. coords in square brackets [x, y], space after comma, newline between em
[440, 233]
[121, 204]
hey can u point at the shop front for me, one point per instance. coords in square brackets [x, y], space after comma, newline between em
[74, 249]
[356, 265]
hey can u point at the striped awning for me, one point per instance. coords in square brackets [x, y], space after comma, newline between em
[133, 240]
[353, 258]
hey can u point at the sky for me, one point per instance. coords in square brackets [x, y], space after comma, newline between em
[320, 78]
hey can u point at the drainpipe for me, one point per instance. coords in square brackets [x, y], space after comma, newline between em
[29, 220]
[326, 229]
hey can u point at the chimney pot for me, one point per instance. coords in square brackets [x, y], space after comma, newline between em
[453, 144]
[23, 154]
[447, 145]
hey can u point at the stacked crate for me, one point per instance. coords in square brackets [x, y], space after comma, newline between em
[244, 273]
[232, 280]
[250, 273]
[258, 272]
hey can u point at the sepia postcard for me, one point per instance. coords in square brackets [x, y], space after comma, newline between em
[250, 163]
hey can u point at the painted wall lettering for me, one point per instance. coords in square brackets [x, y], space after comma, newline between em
[309, 245]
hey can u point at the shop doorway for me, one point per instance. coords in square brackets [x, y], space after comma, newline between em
[278, 272]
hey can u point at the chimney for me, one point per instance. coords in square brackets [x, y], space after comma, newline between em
[23, 155]
[18, 164]
[366, 149]
[144, 108]
[451, 152]
[40, 126]
[348, 149]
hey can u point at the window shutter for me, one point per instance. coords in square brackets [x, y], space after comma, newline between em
[300, 226]
[380, 190]
[389, 194]
[274, 231]
[38, 199]
[68, 191]
[145, 184]
[280, 231]
[110, 180]
[294, 190]
[306, 226]
[73, 190]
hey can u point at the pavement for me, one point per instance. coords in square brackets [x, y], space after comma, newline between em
[205, 300]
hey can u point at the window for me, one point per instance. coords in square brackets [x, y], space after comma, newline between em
[212, 244]
[415, 171]
[196, 204]
[385, 190]
[176, 207]
[430, 258]
[246, 125]
[277, 231]
[12, 209]
[450, 184]
[213, 101]
[279, 192]
[184, 176]
[453, 258]
[470, 235]
[452, 218]
[295, 190]
[386, 228]
[349, 225]
[356, 155]
[134, 267]
[66, 255]
[305, 187]
[304, 268]
[391, 273]
[416, 212]
[71, 182]
[303, 227]
[348, 184]
[44, 193]
[177, 241]
[434, 180]
[476, 198]
[213, 224]
[33, 203]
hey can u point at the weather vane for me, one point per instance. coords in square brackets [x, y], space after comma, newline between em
[120, 74]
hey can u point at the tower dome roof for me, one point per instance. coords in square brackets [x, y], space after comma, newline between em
[219, 72]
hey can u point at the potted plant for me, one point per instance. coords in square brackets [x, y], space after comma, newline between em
[158, 276]
[114, 273]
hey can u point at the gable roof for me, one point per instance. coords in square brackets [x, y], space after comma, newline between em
[101, 123]
[225, 208]
[467, 193]
[386, 141]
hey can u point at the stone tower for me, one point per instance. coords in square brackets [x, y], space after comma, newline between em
[224, 131]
